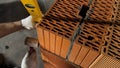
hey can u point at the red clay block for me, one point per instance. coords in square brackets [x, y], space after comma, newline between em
[74, 52]
[82, 54]
[52, 42]
[89, 59]
[64, 49]
[47, 39]
[40, 36]
[58, 45]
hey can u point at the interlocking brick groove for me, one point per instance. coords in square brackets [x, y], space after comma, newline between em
[61, 21]
[112, 47]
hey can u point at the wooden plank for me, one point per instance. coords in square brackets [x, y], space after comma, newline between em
[40, 36]
[52, 42]
[65, 47]
[75, 51]
[58, 44]
[47, 39]
[83, 52]
[89, 59]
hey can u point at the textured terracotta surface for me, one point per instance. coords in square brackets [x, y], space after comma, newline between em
[75, 50]
[58, 45]
[106, 62]
[52, 42]
[64, 48]
[41, 36]
[47, 39]
[81, 55]
[103, 10]
[117, 17]
[66, 9]
[97, 36]
[89, 59]
[112, 40]
[93, 35]
[63, 28]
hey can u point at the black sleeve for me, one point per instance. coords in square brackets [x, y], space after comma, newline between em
[14, 11]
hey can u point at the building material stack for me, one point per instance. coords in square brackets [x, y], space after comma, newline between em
[100, 33]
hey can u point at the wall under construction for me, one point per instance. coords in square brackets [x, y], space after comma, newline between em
[100, 32]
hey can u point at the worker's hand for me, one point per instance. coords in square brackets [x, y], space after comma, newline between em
[27, 22]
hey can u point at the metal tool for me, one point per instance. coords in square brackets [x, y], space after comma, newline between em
[34, 9]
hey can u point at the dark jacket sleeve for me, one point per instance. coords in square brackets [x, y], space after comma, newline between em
[14, 11]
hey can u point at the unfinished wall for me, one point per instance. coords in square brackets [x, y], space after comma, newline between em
[61, 21]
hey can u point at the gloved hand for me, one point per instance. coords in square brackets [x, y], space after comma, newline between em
[27, 22]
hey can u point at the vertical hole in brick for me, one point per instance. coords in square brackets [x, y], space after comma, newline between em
[66, 29]
[95, 48]
[60, 33]
[83, 11]
[41, 25]
[113, 53]
[87, 44]
[108, 33]
[71, 28]
[118, 58]
[104, 50]
[80, 41]
[97, 42]
[119, 51]
[110, 54]
[47, 28]
[58, 29]
[90, 38]
[119, 44]
[66, 36]
[110, 48]
[53, 30]
[106, 43]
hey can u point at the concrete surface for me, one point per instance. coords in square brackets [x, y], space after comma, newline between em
[12, 46]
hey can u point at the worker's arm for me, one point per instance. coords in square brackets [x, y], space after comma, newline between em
[7, 28]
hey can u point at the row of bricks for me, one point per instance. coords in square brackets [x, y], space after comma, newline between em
[94, 31]
[69, 9]
[58, 45]
[98, 9]
[77, 50]
[62, 28]
[64, 8]
[92, 36]
[60, 23]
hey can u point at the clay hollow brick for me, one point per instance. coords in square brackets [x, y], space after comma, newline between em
[113, 42]
[59, 46]
[61, 21]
